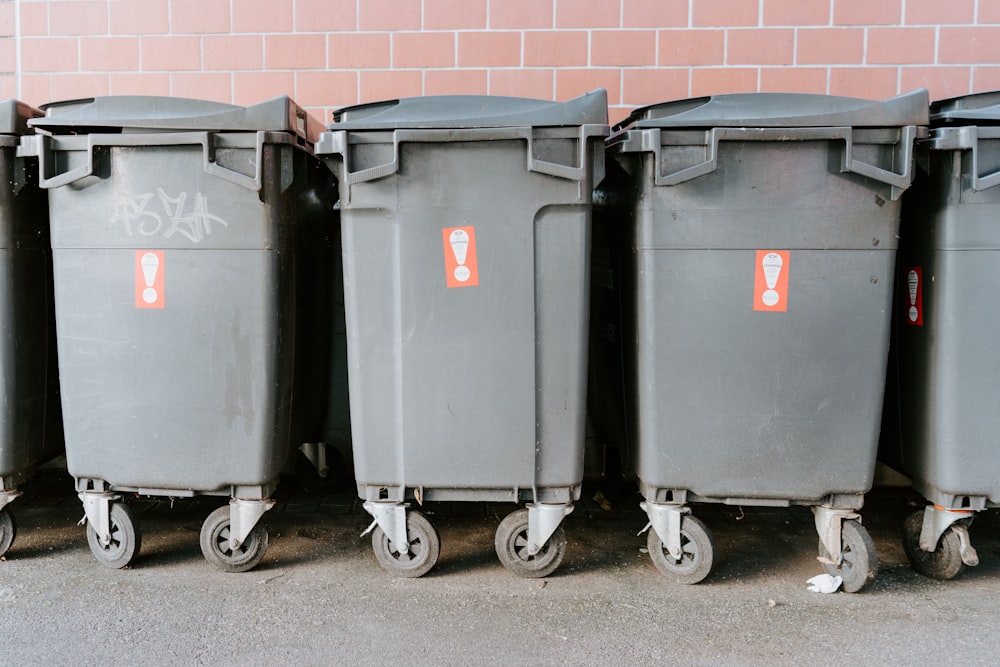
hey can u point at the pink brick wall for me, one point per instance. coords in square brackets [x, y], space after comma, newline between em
[331, 53]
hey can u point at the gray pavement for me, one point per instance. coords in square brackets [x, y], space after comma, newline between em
[319, 598]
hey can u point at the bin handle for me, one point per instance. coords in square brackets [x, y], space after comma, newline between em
[898, 181]
[967, 138]
[584, 132]
[338, 143]
[650, 142]
[202, 139]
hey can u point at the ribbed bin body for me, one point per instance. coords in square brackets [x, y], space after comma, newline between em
[466, 258]
[949, 270]
[175, 288]
[756, 242]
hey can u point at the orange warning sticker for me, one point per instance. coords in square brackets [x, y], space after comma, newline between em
[149, 279]
[914, 306]
[770, 286]
[461, 268]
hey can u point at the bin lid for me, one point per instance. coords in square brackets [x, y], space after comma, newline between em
[473, 111]
[976, 109]
[783, 110]
[14, 116]
[130, 113]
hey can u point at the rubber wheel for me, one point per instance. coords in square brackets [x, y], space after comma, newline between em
[215, 543]
[125, 539]
[419, 556]
[8, 530]
[312, 482]
[860, 562]
[944, 563]
[697, 552]
[511, 543]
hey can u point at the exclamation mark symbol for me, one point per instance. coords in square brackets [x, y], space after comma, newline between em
[459, 241]
[150, 264]
[912, 283]
[460, 267]
[772, 264]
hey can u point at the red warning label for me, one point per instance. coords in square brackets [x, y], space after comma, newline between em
[770, 286]
[149, 279]
[914, 305]
[461, 268]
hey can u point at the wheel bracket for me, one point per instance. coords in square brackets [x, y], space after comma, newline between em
[243, 516]
[315, 453]
[666, 521]
[7, 497]
[937, 521]
[391, 518]
[965, 548]
[543, 520]
[97, 512]
[829, 521]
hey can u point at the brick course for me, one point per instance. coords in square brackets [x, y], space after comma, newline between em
[329, 53]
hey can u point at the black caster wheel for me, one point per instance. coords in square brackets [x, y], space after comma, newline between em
[125, 539]
[418, 557]
[697, 552]
[8, 530]
[215, 543]
[944, 563]
[511, 543]
[860, 562]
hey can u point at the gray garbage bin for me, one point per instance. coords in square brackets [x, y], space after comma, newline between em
[172, 224]
[321, 427]
[945, 345]
[466, 227]
[760, 238]
[30, 422]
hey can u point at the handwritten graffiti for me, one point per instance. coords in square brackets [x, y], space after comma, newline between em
[196, 224]
[130, 210]
[140, 214]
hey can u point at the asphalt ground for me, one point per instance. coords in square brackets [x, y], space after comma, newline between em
[319, 597]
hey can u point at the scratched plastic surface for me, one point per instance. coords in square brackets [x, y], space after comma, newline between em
[176, 300]
[466, 293]
[942, 430]
[747, 308]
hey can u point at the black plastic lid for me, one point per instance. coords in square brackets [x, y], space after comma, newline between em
[473, 111]
[783, 110]
[14, 117]
[976, 109]
[147, 112]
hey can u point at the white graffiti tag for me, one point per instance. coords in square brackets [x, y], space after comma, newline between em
[131, 209]
[193, 221]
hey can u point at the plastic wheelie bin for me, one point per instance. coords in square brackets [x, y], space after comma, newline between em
[30, 423]
[321, 427]
[756, 239]
[172, 222]
[465, 228]
[948, 410]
